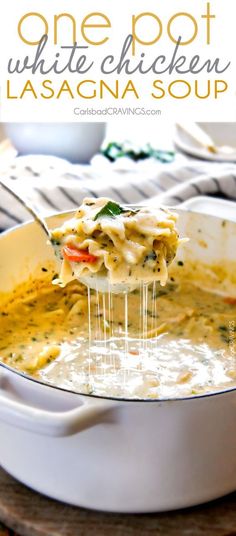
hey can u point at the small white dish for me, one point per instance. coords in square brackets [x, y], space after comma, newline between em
[223, 134]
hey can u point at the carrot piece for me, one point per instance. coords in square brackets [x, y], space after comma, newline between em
[230, 300]
[73, 254]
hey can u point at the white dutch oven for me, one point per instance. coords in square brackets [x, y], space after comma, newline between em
[116, 455]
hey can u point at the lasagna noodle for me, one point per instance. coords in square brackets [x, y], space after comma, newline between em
[131, 246]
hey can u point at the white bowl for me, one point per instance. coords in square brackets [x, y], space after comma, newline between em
[77, 142]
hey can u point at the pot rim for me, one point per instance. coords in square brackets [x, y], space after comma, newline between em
[113, 398]
[103, 397]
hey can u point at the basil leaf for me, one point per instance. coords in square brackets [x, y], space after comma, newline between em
[111, 210]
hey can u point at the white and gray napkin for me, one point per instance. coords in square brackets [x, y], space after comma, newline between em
[53, 184]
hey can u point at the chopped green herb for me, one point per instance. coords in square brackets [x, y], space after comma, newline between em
[225, 338]
[161, 292]
[55, 242]
[151, 256]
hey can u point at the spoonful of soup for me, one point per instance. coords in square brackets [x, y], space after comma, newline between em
[110, 247]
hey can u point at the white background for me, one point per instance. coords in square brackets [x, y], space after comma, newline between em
[120, 14]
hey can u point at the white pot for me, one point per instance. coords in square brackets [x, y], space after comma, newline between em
[77, 142]
[116, 455]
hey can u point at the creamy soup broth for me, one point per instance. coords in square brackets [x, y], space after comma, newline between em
[158, 342]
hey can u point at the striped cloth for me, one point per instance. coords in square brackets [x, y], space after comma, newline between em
[53, 184]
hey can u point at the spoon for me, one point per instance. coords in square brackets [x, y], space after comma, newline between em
[102, 284]
[29, 208]
[98, 282]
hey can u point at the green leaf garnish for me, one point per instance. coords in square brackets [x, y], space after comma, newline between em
[110, 210]
[113, 151]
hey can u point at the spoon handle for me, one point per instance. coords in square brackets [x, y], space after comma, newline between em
[27, 206]
[199, 135]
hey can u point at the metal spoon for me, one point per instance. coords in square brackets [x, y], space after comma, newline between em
[28, 207]
[95, 281]
[101, 283]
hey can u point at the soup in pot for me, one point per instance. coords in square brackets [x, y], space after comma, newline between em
[155, 342]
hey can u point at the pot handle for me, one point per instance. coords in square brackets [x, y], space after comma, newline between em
[50, 423]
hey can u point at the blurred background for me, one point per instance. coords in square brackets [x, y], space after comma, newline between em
[78, 142]
[56, 165]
